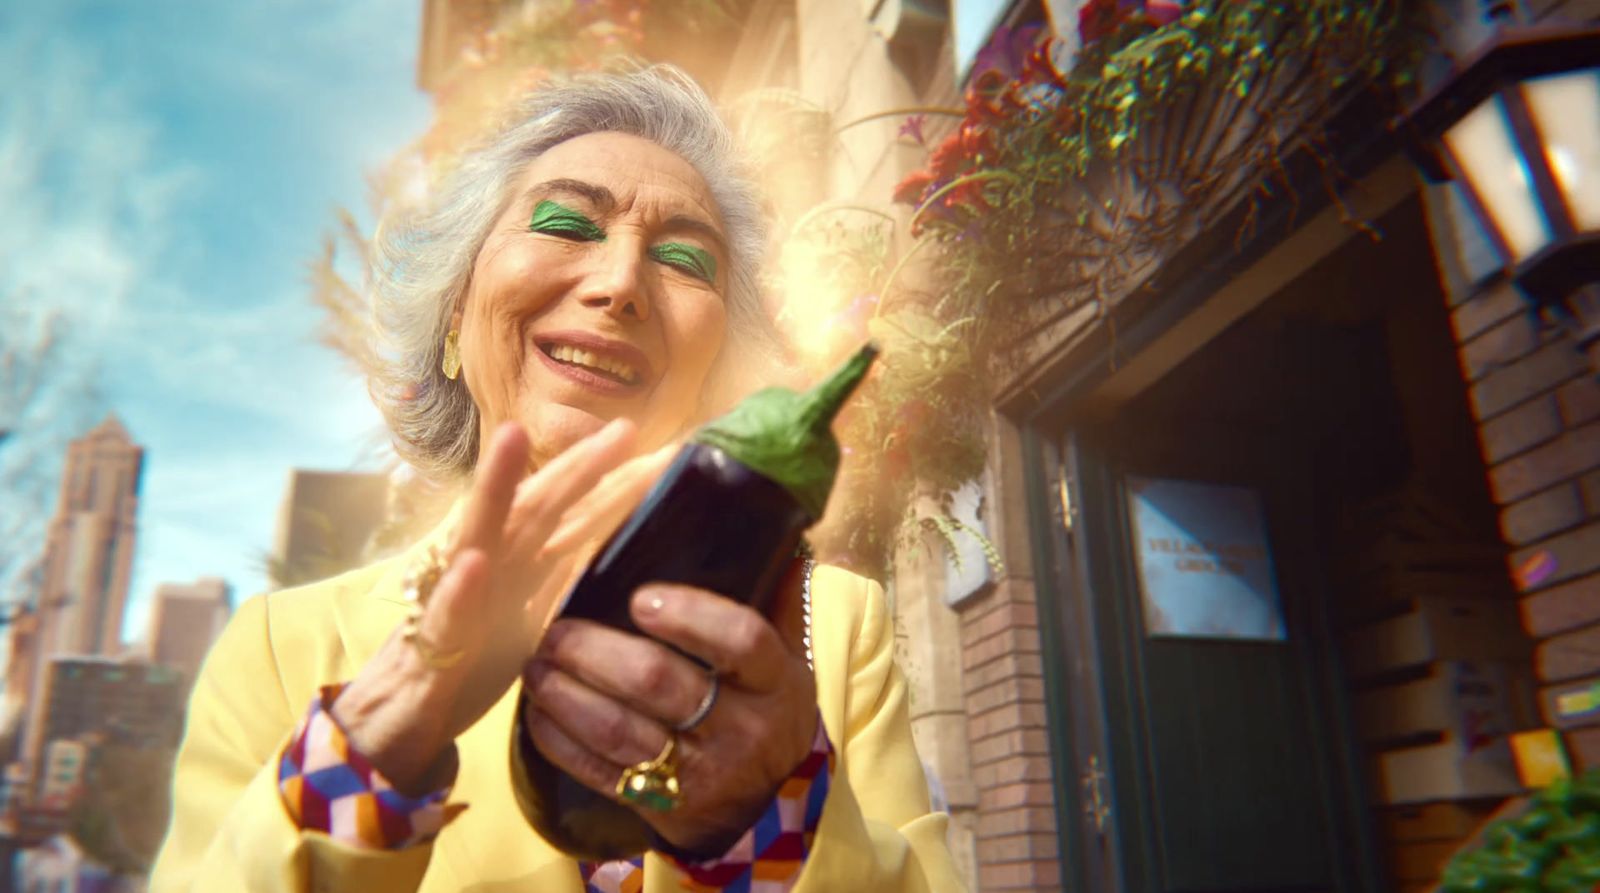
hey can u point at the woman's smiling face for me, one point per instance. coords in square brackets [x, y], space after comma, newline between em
[597, 295]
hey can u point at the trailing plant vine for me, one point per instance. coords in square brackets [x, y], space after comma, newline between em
[1060, 187]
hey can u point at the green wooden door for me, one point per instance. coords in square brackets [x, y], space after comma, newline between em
[1192, 764]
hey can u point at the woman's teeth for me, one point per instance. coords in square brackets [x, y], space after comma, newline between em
[579, 357]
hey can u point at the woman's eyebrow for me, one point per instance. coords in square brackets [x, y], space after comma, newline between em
[598, 196]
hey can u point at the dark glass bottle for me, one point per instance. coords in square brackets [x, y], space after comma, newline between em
[727, 516]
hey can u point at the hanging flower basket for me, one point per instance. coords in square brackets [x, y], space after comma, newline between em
[1058, 187]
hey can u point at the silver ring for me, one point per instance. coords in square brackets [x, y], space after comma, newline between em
[704, 710]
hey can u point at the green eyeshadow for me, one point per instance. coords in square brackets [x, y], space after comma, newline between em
[560, 220]
[697, 262]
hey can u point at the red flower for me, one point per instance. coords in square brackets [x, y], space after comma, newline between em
[1040, 67]
[910, 190]
[1101, 17]
[985, 96]
[1162, 12]
[946, 160]
[975, 141]
[967, 196]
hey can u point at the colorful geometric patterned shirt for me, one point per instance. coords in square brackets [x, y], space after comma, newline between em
[328, 786]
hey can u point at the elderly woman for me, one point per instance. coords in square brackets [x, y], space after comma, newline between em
[581, 295]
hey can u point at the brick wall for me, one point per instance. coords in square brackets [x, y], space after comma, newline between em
[1538, 407]
[1538, 404]
[1006, 731]
[1003, 687]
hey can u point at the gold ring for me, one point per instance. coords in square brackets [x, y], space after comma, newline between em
[653, 784]
[418, 588]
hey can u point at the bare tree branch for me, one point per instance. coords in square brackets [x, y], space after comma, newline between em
[47, 397]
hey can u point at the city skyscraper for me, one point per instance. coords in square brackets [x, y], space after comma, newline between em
[185, 619]
[326, 522]
[88, 559]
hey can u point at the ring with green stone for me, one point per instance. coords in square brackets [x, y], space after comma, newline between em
[653, 784]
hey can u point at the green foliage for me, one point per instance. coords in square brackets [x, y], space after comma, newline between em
[1554, 845]
[1060, 187]
[917, 433]
[1055, 192]
[947, 528]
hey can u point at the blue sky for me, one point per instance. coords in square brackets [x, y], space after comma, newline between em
[167, 170]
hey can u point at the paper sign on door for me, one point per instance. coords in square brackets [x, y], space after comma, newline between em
[1205, 567]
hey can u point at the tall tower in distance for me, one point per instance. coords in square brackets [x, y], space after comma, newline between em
[89, 547]
[88, 560]
[326, 523]
[185, 620]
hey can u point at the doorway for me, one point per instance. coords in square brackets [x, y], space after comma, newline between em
[1208, 756]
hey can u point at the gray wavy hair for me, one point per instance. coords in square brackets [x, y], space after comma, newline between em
[423, 257]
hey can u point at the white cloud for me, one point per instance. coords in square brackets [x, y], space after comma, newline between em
[88, 206]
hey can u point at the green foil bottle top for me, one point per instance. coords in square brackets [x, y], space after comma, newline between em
[787, 436]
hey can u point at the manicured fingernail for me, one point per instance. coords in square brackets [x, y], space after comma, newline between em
[648, 601]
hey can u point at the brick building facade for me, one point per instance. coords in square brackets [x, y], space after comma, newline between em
[1537, 402]
[1534, 397]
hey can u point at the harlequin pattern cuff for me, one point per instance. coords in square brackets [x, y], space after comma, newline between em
[769, 856]
[328, 786]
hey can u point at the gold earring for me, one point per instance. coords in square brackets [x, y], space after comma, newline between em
[452, 355]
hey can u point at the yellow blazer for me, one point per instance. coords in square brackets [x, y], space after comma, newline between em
[231, 832]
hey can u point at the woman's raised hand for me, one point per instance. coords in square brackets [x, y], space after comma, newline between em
[519, 540]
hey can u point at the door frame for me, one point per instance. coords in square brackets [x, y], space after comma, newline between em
[1075, 713]
[1196, 296]
[1098, 609]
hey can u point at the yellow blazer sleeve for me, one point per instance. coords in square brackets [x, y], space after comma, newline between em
[877, 831]
[230, 830]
